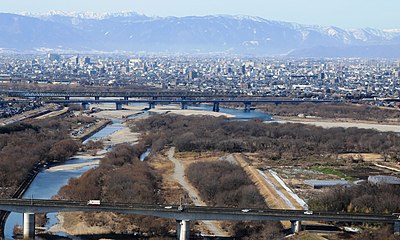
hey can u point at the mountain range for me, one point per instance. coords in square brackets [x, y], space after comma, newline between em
[132, 32]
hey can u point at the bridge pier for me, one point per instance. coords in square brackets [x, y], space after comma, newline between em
[118, 106]
[295, 226]
[126, 98]
[29, 226]
[85, 106]
[184, 105]
[216, 107]
[182, 229]
[66, 97]
[247, 106]
[96, 98]
[396, 228]
[152, 105]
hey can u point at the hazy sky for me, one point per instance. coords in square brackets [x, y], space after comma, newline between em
[343, 13]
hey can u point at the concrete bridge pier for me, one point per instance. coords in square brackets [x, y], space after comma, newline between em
[182, 229]
[396, 227]
[296, 226]
[184, 105]
[247, 106]
[152, 105]
[216, 107]
[29, 226]
[85, 106]
[118, 106]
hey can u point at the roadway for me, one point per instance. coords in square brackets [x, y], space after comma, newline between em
[189, 212]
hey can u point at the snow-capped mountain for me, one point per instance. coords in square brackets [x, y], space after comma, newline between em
[129, 31]
[83, 15]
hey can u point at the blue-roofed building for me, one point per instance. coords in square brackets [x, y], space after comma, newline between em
[325, 183]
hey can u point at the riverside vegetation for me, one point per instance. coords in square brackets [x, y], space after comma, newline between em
[25, 145]
[333, 111]
[121, 177]
[274, 141]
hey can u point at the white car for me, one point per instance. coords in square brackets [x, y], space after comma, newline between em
[308, 212]
[245, 210]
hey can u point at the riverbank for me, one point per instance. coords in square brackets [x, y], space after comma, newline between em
[171, 109]
[92, 130]
[71, 223]
[345, 123]
[75, 166]
[44, 112]
[107, 111]
[125, 135]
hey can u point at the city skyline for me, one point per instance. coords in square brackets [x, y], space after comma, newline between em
[341, 13]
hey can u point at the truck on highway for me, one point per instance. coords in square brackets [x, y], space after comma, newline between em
[93, 202]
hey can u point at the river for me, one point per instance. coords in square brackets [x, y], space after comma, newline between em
[47, 183]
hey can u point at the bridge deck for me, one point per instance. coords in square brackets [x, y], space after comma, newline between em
[189, 212]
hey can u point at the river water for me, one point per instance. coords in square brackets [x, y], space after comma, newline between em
[47, 183]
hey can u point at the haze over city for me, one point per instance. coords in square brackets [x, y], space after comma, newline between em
[342, 13]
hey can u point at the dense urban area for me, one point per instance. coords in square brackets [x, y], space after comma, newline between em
[274, 77]
[340, 157]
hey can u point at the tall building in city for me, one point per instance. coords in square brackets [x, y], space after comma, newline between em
[192, 74]
[84, 60]
[75, 60]
[54, 57]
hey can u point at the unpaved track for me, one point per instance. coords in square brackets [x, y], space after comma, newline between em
[179, 176]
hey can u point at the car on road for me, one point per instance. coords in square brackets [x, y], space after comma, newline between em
[245, 210]
[308, 212]
[93, 202]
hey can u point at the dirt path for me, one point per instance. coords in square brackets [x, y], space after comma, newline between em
[387, 167]
[179, 176]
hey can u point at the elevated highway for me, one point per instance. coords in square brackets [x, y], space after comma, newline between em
[189, 213]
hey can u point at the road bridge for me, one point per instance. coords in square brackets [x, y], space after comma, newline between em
[185, 102]
[29, 207]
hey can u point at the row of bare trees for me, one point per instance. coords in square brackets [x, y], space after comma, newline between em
[332, 110]
[365, 198]
[25, 145]
[225, 184]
